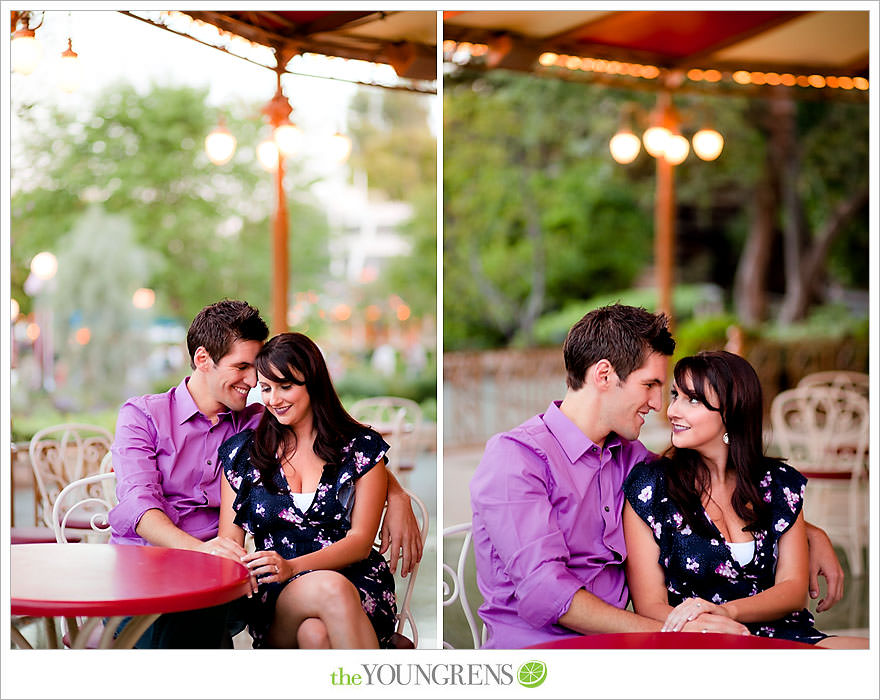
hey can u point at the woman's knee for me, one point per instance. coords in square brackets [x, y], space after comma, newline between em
[312, 634]
[333, 588]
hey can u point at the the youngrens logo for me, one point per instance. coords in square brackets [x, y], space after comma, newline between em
[529, 675]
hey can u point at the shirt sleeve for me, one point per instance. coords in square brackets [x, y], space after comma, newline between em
[363, 453]
[511, 501]
[234, 458]
[786, 488]
[641, 490]
[138, 480]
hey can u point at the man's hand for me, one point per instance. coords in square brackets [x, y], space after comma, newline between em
[688, 610]
[824, 562]
[400, 532]
[225, 547]
[709, 622]
[222, 547]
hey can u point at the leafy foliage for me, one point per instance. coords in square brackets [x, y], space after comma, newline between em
[534, 211]
[142, 155]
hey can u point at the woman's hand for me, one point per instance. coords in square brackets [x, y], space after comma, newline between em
[269, 566]
[709, 622]
[689, 610]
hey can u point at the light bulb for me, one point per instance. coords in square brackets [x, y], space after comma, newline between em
[26, 51]
[143, 298]
[69, 70]
[220, 145]
[624, 146]
[44, 265]
[655, 139]
[288, 138]
[708, 144]
[340, 147]
[267, 154]
[677, 149]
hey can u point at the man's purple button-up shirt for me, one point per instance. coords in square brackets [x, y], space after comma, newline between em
[547, 506]
[165, 457]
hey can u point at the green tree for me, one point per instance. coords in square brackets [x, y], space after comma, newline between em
[92, 294]
[535, 212]
[142, 155]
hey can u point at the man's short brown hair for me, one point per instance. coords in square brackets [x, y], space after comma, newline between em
[623, 335]
[218, 326]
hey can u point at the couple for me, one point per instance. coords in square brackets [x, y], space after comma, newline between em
[711, 536]
[197, 469]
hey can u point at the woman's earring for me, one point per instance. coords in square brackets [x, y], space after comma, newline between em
[725, 439]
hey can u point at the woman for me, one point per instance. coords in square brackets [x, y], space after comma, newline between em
[715, 528]
[309, 483]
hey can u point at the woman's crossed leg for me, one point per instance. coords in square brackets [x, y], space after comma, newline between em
[321, 609]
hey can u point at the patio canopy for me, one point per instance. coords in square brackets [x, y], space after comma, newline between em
[407, 41]
[742, 49]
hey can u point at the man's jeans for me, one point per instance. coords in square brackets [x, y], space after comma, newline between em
[208, 628]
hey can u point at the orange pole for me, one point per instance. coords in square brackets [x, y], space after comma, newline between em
[279, 253]
[664, 251]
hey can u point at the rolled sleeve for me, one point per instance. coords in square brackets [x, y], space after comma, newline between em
[138, 479]
[513, 506]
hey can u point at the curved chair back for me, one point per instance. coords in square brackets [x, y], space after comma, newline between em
[821, 428]
[839, 379]
[64, 453]
[398, 420]
[84, 501]
[823, 431]
[404, 609]
[460, 578]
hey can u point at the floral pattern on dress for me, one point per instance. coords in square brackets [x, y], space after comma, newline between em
[278, 524]
[717, 576]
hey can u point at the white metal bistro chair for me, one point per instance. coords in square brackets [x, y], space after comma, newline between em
[839, 379]
[398, 420]
[85, 500]
[461, 577]
[404, 603]
[61, 454]
[823, 431]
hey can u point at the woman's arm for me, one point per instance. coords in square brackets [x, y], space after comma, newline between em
[355, 546]
[227, 527]
[789, 592]
[644, 575]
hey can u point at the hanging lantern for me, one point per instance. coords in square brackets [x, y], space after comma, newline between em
[220, 144]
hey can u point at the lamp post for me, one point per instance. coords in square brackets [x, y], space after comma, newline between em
[278, 111]
[669, 148]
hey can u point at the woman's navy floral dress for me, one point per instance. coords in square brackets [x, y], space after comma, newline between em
[278, 524]
[697, 566]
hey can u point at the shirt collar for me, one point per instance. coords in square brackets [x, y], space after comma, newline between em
[185, 405]
[573, 442]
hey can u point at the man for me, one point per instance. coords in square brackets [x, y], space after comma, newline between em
[168, 478]
[547, 497]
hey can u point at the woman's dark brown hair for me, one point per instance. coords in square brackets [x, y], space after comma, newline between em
[293, 358]
[740, 404]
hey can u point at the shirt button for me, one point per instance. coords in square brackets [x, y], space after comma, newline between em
[607, 509]
[593, 448]
[209, 462]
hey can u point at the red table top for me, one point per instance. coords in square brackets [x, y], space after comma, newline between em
[671, 640]
[106, 579]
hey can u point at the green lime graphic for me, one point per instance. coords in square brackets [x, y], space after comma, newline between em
[532, 673]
